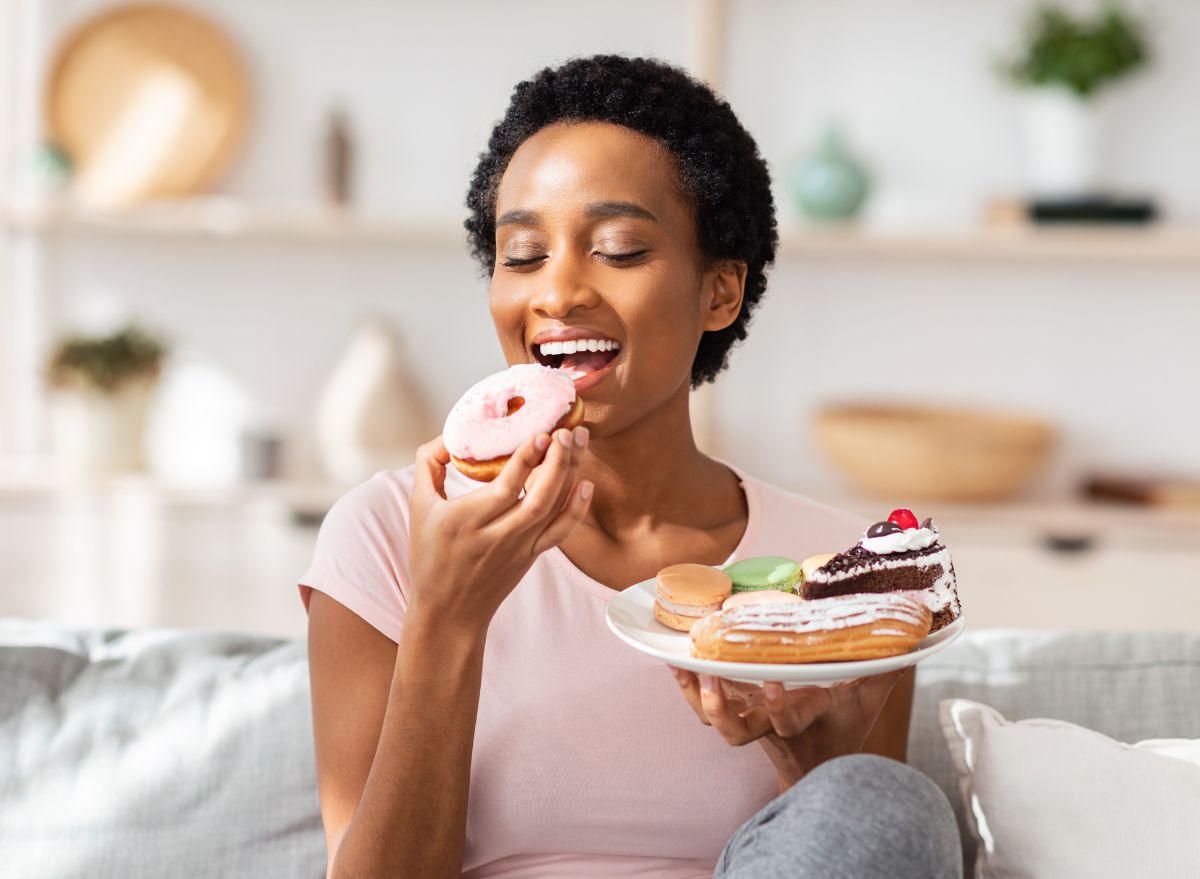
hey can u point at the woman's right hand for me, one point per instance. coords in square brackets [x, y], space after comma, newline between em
[468, 553]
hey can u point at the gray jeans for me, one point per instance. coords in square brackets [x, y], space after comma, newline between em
[856, 817]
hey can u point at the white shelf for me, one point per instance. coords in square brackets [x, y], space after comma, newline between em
[1157, 244]
[24, 483]
[219, 218]
[229, 219]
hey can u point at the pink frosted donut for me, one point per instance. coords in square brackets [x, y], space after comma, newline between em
[499, 413]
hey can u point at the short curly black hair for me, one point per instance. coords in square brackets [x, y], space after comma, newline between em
[719, 166]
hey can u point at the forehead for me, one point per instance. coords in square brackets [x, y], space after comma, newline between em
[565, 165]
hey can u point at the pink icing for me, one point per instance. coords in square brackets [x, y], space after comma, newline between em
[478, 428]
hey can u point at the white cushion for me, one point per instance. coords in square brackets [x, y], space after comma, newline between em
[1047, 798]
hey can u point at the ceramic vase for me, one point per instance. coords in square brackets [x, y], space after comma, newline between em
[372, 415]
[1062, 140]
[830, 184]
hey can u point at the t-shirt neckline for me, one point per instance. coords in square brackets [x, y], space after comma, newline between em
[560, 560]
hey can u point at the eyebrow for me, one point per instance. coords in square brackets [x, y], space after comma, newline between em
[599, 210]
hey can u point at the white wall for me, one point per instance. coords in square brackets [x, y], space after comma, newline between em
[915, 85]
[1106, 350]
[423, 82]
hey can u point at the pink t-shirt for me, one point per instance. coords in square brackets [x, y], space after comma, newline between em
[587, 761]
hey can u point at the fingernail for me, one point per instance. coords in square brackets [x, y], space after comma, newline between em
[564, 437]
[542, 440]
[706, 683]
[773, 692]
[581, 436]
[585, 490]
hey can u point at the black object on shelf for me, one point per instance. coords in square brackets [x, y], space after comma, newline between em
[1092, 209]
[1068, 542]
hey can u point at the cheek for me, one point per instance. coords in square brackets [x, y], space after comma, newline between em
[507, 313]
[667, 323]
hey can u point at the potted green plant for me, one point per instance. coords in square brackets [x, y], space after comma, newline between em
[101, 388]
[1067, 64]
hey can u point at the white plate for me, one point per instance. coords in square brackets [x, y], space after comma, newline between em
[631, 617]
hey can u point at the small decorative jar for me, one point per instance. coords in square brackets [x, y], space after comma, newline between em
[830, 184]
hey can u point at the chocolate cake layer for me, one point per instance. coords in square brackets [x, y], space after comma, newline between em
[859, 570]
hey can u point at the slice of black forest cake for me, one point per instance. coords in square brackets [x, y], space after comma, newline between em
[892, 556]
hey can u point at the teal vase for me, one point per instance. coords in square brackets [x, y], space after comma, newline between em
[830, 184]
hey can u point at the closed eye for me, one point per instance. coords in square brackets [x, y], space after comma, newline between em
[523, 262]
[622, 257]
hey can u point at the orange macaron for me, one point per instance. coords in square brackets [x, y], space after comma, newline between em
[687, 592]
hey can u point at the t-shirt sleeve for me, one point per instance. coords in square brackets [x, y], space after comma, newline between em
[361, 554]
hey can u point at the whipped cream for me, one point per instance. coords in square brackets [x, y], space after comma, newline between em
[688, 610]
[900, 541]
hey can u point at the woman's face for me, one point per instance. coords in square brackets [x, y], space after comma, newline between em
[595, 242]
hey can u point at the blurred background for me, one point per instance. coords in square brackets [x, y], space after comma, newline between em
[234, 282]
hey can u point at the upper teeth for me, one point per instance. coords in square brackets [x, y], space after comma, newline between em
[572, 347]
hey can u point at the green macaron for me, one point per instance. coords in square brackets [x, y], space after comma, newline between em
[764, 572]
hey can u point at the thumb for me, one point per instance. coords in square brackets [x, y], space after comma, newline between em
[429, 473]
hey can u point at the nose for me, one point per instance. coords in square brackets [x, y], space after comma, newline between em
[563, 286]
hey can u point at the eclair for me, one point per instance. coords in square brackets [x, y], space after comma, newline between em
[823, 630]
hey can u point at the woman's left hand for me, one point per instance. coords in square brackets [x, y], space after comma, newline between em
[799, 729]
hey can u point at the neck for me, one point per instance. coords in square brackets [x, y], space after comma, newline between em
[651, 470]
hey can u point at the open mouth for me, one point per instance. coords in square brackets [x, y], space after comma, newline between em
[579, 357]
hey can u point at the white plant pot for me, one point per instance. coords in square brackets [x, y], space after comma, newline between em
[1062, 143]
[96, 432]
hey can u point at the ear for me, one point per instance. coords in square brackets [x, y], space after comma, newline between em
[724, 287]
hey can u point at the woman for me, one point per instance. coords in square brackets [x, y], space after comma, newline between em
[472, 714]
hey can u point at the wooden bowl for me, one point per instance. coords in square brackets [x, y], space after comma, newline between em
[948, 454]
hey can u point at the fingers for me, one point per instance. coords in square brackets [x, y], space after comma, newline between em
[541, 501]
[579, 438]
[788, 714]
[429, 474]
[499, 496]
[567, 520]
[733, 727]
[736, 723]
[791, 712]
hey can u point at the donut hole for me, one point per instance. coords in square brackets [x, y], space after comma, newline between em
[514, 404]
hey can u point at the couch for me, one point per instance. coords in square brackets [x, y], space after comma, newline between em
[188, 753]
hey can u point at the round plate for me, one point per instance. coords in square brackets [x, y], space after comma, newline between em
[148, 101]
[631, 617]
